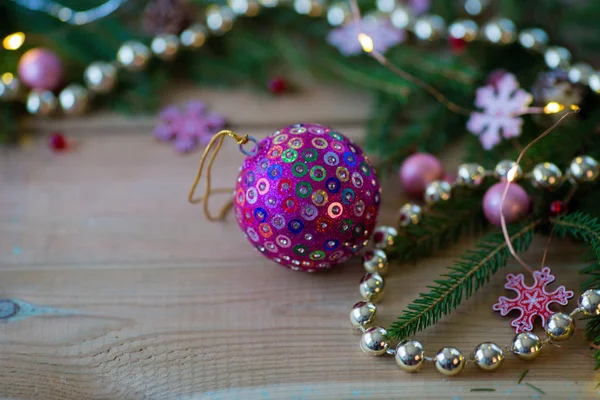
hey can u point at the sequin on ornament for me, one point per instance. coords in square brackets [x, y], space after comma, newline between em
[308, 199]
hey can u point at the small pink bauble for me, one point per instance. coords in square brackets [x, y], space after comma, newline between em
[418, 171]
[308, 199]
[516, 203]
[40, 69]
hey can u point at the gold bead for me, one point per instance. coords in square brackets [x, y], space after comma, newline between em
[219, 19]
[546, 176]
[401, 17]
[375, 261]
[464, 29]
[580, 73]
[533, 39]
[500, 31]
[589, 302]
[557, 57]
[101, 77]
[429, 27]
[362, 314]
[74, 99]
[437, 191]
[409, 214]
[504, 166]
[9, 88]
[488, 356]
[449, 361]
[193, 37]
[470, 175]
[560, 327]
[248, 8]
[384, 237]
[410, 355]
[584, 169]
[371, 287]
[526, 346]
[41, 103]
[374, 341]
[312, 8]
[165, 46]
[133, 55]
[338, 14]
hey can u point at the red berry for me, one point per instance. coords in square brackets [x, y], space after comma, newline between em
[557, 207]
[57, 142]
[277, 85]
[457, 45]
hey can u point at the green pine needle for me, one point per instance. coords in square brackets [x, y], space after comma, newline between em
[537, 389]
[467, 275]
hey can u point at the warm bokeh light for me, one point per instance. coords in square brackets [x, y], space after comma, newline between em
[553, 107]
[366, 42]
[7, 78]
[14, 41]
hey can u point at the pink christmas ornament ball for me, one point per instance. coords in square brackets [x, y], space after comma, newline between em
[308, 198]
[418, 171]
[41, 69]
[516, 203]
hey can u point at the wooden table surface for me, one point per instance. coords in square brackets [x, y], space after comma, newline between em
[126, 292]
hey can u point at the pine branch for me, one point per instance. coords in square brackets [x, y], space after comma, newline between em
[467, 275]
[581, 226]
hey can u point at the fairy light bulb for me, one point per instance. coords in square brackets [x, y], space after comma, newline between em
[13, 41]
[512, 173]
[366, 42]
[553, 108]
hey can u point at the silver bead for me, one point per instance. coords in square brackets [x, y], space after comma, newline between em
[488, 356]
[9, 87]
[474, 7]
[312, 8]
[500, 31]
[594, 82]
[560, 327]
[371, 287]
[546, 176]
[269, 3]
[429, 27]
[374, 341]
[338, 14]
[526, 346]
[193, 37]
[133, 55]
[101, 77]
[219, 19]
[248, 8]
[410, 355]
[533, 39]
[437, 191]
[41, 103]
[470, 175]
[74, 99]
[165, 46]
[362, 314]
[557, 57]
[376, 261]
[384, 237]
[589, 302]
[386, 6]
[464, 29]
[580, 73]
[401, 17]
[449, 361]
[409, 214]
[503, 168]
[584, 169]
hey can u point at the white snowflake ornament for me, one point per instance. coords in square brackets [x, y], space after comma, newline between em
[533, 300]
[502, 104]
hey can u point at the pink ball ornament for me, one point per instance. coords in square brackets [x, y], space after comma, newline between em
[418, 171]
[41, 69]
[516, 203]
[308, 199]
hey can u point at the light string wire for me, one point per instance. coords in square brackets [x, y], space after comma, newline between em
[70, 16]
[216, 142]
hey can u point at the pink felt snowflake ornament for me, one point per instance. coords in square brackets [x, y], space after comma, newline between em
[533, 300]
[188, 127]
[502, 103]
[379, 28]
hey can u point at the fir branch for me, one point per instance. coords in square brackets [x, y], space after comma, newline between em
[467, 275]
[581, 226]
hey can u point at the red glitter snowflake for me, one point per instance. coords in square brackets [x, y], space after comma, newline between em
[531, 300]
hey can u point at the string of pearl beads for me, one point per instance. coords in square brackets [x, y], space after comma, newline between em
[410, 354]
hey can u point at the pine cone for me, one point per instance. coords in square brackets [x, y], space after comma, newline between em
[167, 16]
